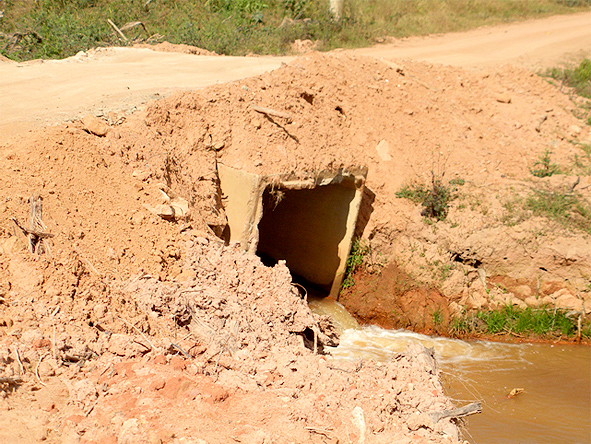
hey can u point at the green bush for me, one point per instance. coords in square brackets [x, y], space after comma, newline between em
[434, 198]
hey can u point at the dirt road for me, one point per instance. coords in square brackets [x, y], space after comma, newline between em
[532, 44]
[39, 93]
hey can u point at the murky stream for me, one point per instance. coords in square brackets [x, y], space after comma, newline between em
[554, 408]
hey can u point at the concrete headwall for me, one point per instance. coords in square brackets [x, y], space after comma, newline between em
[308, 223]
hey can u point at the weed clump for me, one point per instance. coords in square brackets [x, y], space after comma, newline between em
[434, 198]
[359, 251]
[543, 167]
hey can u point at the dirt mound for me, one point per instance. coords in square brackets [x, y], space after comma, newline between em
[405, 122]
[172, 47]
[230, 341]
[140, 313]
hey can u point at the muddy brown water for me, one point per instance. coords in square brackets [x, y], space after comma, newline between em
[554, 408]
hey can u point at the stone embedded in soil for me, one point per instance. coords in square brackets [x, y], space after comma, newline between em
[95, 126]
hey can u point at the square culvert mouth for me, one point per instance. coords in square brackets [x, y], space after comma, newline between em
[308, 223]
[305, 227]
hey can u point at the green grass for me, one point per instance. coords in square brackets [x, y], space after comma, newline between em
[579, 79]
[59, 28]
[568, 209]
[356, 259]
[542, 322]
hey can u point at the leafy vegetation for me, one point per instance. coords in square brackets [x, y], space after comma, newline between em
[356, 259]
[543, 167]
[544, 322]
[435, 198]
[60, 28]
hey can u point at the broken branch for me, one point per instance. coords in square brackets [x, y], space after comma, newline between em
[271, 112]
[114, 26]
[469, 409]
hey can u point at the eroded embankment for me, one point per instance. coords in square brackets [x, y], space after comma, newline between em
[226, 352]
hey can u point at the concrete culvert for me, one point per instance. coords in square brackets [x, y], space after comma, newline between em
[308, 222]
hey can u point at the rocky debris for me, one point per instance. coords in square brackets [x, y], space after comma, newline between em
[235, 336]
[95, 126]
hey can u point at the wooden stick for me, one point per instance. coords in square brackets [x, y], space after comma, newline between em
[178, 347]
[117, 29]
[18, 357]
[28, 232]
[37, 369]
[139, 331]
[271, 112]
[469, 409]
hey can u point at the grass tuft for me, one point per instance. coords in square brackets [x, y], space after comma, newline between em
[542, 322]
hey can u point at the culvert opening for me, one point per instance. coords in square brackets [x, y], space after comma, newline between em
[305, 227]
[307, 222]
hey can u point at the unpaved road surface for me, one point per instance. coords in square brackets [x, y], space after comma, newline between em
[533, 44]
[39, 93]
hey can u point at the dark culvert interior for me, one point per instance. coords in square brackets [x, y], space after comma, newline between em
[304, 227]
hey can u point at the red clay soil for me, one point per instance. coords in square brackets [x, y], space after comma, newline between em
[138, 325]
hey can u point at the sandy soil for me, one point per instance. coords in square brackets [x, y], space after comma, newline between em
[38, 93]
[138, 325]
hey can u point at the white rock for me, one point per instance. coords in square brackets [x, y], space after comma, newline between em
[383, 150]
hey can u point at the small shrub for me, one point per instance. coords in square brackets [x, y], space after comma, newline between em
[543, 167]
[435, 198]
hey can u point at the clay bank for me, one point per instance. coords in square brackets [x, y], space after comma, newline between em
[153, 321]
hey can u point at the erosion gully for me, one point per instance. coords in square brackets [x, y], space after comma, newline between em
[554, 407]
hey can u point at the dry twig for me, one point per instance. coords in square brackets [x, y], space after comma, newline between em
[271, 112]
[37, 369]
[114, 26]
[138, 330]
[18, 358]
